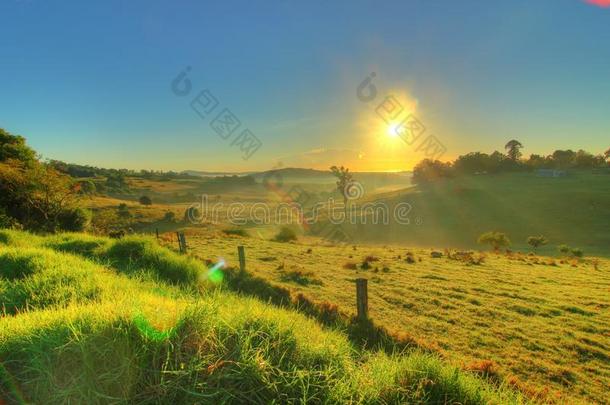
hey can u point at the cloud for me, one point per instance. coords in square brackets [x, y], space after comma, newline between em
[599, 3]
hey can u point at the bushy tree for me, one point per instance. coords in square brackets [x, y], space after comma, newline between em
[74, 219]
[429, 170]
[35, 195]
[13, 147]
[537, 241]
[494, 239]
[169, 216]
[513, 149]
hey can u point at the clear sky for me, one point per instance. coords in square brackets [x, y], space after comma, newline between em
[90, 82]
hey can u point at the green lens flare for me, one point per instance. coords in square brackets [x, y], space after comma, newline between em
[215, 274]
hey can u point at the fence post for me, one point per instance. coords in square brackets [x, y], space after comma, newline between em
[242, 258]
[183, 242]
[157, 232]
[362, 299]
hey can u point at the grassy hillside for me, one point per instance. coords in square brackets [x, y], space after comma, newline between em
[534, 319]
[574, 210]
[95, 320]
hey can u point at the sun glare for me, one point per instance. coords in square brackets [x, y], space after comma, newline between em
[392, 130]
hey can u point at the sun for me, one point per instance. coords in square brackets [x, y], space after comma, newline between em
[392, 130]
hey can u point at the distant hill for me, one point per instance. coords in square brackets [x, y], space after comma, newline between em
[574, 210]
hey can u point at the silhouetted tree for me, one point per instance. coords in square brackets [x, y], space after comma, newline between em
[513, 149]
[344, 180]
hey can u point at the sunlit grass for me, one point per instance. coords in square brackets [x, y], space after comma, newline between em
[151, 338]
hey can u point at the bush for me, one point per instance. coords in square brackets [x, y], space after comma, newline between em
[236, 231]
[192, 215]
[123, 211]
[576, 252]
[564, 249]
[285, 234]
[145, 200]
[8, 222]
[74, 220]
[169, 216]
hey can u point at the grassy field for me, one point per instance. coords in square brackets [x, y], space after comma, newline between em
[92, 320]
[541, 320]
[574, 210]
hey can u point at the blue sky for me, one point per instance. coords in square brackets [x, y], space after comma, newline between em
[90, 82]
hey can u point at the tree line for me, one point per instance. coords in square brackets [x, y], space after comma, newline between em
[482, 163]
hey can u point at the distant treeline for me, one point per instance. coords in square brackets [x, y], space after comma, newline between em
[482, 163]
[75, 170]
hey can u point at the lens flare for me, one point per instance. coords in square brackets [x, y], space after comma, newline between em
[215, 273]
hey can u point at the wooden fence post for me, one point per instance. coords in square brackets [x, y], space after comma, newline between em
[157, 232]
[242, 258]
[181, 242]
[362, 299]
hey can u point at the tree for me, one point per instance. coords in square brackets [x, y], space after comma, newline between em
[36, 194]
[607, 154]
[429, 170]
[13, 147]
[494, 239]
[344, 182]
[145, 200]
[563, 159]
[513, 149]
[537, 241]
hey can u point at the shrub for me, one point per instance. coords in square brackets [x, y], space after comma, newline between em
[494, 239]
[576, 252]
[169, 216]
[285, 234]
[192, 215]
[74, 220]
[7, 221]
[236, 232]
[123, 211]
[145, 200]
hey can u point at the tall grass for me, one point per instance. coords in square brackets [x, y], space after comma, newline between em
[97, 336]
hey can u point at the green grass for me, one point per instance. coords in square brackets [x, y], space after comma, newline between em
[535, 319]
[96, 320]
